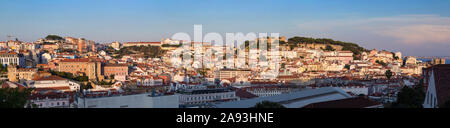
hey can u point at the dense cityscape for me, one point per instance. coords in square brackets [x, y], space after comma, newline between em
[231, 54]
[224, 63]
[73, 72]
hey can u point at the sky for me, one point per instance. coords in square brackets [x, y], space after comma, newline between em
[413, 27]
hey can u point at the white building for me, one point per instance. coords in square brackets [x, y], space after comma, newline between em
[205, 96]
[55, 83]
[45, 58]
[149, 82]
[51, 101]
[357, 90]
[12, 58]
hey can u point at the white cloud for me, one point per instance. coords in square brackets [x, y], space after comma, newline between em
[417, 34]
[409, 29]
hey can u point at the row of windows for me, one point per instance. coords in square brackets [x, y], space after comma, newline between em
[52, 104]
[8, 60]
[115, 69]
[202, 102]
[74, 69]
[71, 66]
[210, 97]
[117, 74]
[8, 55]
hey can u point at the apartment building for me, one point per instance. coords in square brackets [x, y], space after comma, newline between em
[16, 74]
[85, 66]
[231, 73]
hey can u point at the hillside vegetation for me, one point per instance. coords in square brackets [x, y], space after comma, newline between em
[145, 51]
[348, 46]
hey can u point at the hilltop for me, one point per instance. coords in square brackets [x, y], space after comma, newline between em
[304, 41]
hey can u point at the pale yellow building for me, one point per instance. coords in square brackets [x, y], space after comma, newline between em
[16, 74]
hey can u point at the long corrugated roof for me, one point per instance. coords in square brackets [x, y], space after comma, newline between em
[292, 100]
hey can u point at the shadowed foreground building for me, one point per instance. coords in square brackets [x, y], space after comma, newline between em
[357, 102]
[145, 100]
[292, 100]
[437, 79]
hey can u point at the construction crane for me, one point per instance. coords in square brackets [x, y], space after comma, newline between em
[9, 37]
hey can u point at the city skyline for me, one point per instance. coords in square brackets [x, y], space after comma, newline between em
[417, 28]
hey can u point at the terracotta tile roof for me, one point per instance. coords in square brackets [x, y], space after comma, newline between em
[53, 88]
[53, 77]
[116, 65]
[76, 60]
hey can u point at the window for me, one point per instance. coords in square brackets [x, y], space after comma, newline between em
[431, 101]
[435, 101]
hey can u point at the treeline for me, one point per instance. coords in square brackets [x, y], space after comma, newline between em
[70, 76]
[3, 68]
[171, 45]
[147, 51]
[348, 46]
[54, 37]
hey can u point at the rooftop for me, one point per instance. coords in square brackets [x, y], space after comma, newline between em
[357, 102]
[296, 99]
[53, 77]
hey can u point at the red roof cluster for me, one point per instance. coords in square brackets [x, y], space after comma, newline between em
[76, 60]
[53, 77]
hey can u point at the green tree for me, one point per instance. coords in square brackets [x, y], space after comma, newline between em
[329, 48]
[3, 68]
[14, 97]
[446, 104]
[86, 86]
[355, 48]
[409, 98]
[268, 104]
[54, 37]
[388, 74]
[81, 78]
[381, 62]
[111, 76]
[145, 51]
[347, 67]
[395, 57]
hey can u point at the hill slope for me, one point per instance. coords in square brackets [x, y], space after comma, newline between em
[355, 48]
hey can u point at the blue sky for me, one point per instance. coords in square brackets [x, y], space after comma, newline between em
[414, 27]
